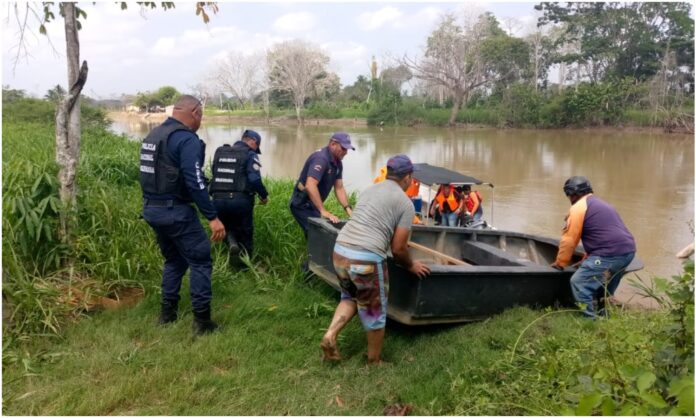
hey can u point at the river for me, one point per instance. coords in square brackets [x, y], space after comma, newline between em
[648, 177]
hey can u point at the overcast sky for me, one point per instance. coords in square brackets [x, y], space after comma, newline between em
[134, 50]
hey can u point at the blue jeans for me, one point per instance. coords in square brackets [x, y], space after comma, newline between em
[183, 243]
[598, 276]
[478, 214]
[449, 219]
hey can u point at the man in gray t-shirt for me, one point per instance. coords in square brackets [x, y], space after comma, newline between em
[380, 222]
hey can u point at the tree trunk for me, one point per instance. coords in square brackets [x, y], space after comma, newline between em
[298, 110]
[456, 105]
[68, 124]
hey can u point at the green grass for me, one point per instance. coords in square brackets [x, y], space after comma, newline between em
[58, 360]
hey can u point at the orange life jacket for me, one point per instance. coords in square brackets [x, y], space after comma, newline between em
[382, 175]
[451, 200]
[473, 201]
[413, 189]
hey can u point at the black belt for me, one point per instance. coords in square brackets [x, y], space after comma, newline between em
[231, 195]
[168, 202]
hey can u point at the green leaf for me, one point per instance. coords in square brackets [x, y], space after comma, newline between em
[645, 381]
[653, 399]
[588, 403]
[608, 406]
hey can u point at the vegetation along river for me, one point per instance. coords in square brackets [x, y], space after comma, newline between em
[648, 177]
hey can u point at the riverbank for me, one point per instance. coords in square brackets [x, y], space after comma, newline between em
[361, 122]
[60, 359]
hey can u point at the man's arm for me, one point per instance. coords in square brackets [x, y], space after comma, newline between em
[254, 177]
[571, 235]
[342, 197]
[191, 157]
[314, 196]
[399, 247]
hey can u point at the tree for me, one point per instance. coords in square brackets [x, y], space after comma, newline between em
[241, 75]
[461, 58]
[68, 112]
[297, 67]
[394, 77]
[618, 40]
[56, 94]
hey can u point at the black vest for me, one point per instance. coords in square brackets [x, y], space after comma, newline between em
[229, 169]
[158, 174]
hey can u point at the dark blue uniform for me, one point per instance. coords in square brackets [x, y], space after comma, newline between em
[322, 166]
[180, 235]
[236, 209]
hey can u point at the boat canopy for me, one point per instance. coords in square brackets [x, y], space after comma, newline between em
[430, 174]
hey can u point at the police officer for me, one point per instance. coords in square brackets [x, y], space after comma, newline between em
[171, 160]
[236, 180]
[322, 171]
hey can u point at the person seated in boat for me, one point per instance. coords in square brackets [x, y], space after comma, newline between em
[608, 244]
[412, 192]
[381, 223]
[449, 203]
[472, 203]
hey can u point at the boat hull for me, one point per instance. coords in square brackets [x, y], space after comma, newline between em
[505, 269]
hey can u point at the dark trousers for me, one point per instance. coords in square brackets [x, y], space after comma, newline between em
[183, 243]
[302, 212]
[237, 214]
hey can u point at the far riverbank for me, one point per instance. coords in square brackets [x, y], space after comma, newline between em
[357, 122]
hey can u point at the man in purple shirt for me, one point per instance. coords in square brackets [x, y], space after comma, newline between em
[609, 245]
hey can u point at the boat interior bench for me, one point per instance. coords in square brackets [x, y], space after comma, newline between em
[482, 254]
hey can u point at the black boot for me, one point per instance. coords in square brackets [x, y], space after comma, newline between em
[168, 312]
[233, 245]
[202, 324]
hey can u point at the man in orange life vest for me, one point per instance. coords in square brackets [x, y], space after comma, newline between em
[472, 202]
[449, 203]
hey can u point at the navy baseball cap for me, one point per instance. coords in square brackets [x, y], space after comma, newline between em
[255, 136]
[343, 139]
[401, 164]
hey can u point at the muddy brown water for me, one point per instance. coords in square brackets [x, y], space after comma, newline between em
[647, 176]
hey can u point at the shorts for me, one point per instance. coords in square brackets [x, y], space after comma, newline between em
[364, 279]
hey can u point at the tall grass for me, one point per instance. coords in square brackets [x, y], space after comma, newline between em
[265, 360]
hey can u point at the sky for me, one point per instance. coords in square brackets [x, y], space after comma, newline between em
[138, 50]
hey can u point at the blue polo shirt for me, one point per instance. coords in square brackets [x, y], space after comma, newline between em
[322, 166]
[188, 152]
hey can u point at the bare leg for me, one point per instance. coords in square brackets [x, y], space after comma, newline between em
[345, 311]
[375, 341]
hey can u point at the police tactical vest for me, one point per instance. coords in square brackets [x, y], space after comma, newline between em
[158, 174]
[229, 169]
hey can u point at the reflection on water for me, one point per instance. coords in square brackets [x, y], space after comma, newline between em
[648, 177]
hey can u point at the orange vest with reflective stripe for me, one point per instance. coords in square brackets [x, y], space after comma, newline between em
[451, 200]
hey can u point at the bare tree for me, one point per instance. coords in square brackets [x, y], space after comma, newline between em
[242, 76]
[452, 60]
[297, 66]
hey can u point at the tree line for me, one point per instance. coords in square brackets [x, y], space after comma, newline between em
[582, 64]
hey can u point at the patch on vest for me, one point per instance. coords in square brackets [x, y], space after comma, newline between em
[226, 170]
[224, 180]
[149, 147]
[228, 160]
[147, 169]
[147, 157]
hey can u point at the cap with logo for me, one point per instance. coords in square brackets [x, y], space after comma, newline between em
[343, 139]
[251, 134]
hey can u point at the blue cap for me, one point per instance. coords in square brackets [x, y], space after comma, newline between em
[255, 136]
[401, 164]
[343, 139]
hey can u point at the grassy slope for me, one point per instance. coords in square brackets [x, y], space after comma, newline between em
[266, 359]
